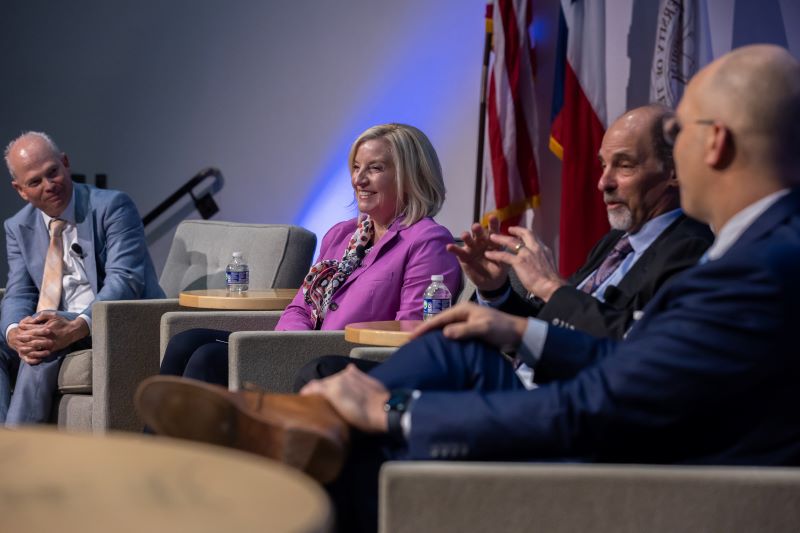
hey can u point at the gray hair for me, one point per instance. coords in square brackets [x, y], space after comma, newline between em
[662, 149]
[39, 134]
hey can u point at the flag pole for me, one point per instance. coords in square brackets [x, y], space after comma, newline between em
[487, 48]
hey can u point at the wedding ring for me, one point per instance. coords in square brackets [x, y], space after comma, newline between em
[517, 247]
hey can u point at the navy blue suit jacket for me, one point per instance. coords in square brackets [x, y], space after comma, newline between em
[710, 374]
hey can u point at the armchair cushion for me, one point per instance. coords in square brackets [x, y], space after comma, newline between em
[75, 376]
[373, 353]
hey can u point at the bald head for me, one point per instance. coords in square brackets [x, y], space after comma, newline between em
[40, 172]
[26, 145]
[650, 120]
[755, 91]
[738, 128]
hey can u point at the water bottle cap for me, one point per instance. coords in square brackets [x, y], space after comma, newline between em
[437, 277]
[237, 254]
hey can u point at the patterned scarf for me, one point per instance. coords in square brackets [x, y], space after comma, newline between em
[328, 275]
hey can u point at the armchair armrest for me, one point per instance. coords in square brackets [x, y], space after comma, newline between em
[271, 359]
[179, 321]
[373, 353]
[125, 350]
[455, 497]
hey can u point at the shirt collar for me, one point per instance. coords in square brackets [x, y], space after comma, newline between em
[642, 239]
[68, 215]
[738, 223]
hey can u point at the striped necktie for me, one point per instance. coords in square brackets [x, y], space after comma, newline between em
[50, 291]
[608, 266]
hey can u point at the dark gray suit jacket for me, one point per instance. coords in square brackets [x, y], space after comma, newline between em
[676, 249]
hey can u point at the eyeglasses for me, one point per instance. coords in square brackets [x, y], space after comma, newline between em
[672, 128]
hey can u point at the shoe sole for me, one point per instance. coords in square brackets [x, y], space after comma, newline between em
[197, 411]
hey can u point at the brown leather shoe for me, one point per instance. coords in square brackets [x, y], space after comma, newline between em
[302, 431]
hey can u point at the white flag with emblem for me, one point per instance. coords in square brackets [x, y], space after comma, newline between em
[682, 47]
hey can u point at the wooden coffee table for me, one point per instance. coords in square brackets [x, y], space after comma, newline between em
[255, 299]
[382, 333]
[71, 482]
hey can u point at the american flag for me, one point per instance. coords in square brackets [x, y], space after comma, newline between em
[511, 176]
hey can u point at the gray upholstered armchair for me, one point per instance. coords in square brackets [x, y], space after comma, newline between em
[486, 497]
[97, 385]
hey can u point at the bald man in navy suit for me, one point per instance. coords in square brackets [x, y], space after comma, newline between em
[708, 375]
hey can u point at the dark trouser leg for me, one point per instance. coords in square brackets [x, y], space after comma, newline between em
[200, 354]
[182, 348]
[355, 492]
[328, 365]
[434, 362]
[430, 363]
[209, 363]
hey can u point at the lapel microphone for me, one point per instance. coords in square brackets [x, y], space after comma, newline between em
[77, 250]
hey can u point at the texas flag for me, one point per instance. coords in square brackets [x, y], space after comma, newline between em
[578, 124]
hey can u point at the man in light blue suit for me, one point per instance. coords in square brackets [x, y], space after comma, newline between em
[104, 257]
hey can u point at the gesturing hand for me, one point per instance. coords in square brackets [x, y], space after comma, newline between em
[471, 321]
[533, 263]
[485, 273]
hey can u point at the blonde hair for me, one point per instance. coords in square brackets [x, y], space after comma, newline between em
[420, 186]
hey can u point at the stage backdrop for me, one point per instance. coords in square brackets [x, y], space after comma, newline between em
[273, 93]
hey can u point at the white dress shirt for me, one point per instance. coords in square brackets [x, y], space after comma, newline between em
[77, 293]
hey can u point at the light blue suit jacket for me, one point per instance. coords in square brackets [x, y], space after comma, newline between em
[111, 234]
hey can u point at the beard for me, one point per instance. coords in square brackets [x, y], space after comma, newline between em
[620, 218]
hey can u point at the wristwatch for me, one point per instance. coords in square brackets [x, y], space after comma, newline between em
[395, 407]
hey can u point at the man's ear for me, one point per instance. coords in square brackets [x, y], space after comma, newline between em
[20, 190]
[719, 146]
[65, 160]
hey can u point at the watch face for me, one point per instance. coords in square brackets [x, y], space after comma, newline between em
[398, 400]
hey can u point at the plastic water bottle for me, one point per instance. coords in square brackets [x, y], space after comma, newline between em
[436, 298]
[237, 274]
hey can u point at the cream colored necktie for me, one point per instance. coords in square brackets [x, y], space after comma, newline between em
[50, 293]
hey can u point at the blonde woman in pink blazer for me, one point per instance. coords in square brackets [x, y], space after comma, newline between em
[373, 267]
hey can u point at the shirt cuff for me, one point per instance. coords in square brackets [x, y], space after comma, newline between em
[532, 345]
[405, 420]
[10, 327]
[88, 320]
[493, 302]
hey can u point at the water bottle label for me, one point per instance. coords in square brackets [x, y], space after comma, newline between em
[434, 306]
[237, 277]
